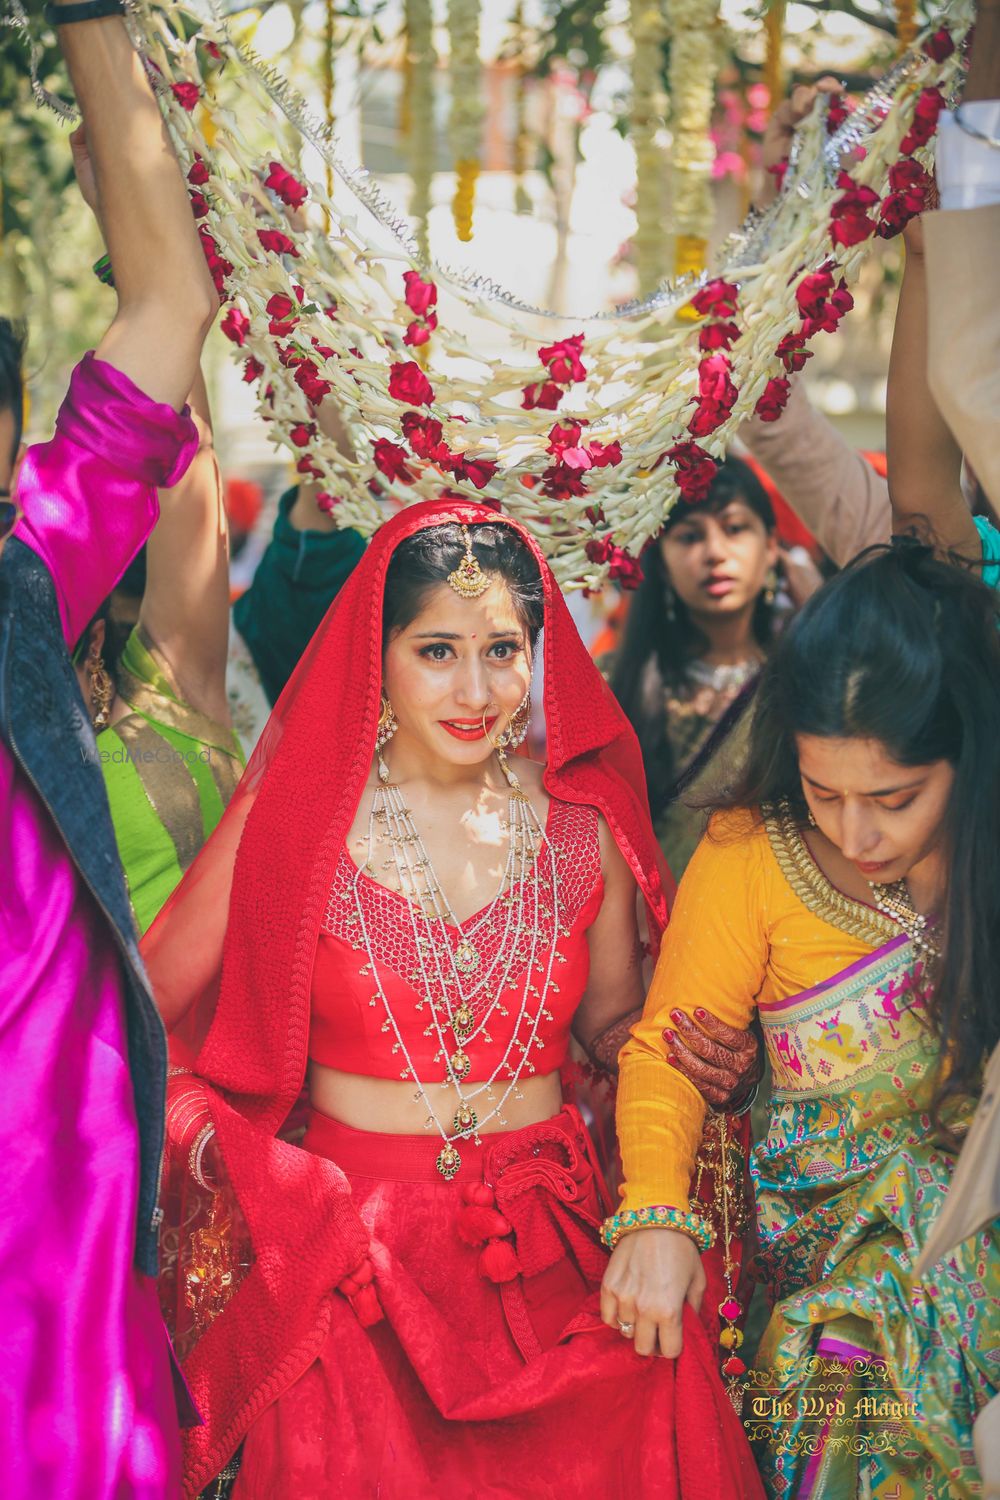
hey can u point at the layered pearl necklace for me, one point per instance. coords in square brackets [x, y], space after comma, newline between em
[460, 991]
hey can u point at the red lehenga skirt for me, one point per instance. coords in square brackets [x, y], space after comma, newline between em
[490, 1373]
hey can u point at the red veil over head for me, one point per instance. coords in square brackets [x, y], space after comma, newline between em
[231, 959]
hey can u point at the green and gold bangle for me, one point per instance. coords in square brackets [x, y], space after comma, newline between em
[693, 1225]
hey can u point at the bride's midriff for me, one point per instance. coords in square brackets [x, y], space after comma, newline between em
[388, 1107]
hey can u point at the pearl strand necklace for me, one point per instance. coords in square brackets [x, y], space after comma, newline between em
[526, 833]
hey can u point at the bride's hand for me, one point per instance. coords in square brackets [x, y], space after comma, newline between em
[651, 1274]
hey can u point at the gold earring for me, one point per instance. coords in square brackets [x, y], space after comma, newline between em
[387, 726]
[771, 587]
[102, 691]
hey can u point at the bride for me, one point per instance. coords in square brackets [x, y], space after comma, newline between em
[403, 1300]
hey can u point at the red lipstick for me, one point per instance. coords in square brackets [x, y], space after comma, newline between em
[468, 729]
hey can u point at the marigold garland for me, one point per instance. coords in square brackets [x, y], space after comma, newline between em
[466, 119]
[586, 437]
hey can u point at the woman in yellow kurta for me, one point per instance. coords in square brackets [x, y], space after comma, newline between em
[856, 912]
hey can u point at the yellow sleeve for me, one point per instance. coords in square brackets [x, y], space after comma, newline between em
[713, 957]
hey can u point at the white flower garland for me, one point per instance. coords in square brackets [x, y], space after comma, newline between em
[419, 132]
[646, 119]
[694, 54]
[587, 440]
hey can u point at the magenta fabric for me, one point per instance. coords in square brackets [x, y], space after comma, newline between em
[89, 495]
[87, 1408]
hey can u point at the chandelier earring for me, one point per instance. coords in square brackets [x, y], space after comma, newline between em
[102, 690]
[387, 726]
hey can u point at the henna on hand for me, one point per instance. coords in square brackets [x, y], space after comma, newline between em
[724, 1063]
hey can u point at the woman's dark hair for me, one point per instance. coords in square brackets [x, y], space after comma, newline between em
[11, 388]
[904, 648]
[424, 561]
[661, 638]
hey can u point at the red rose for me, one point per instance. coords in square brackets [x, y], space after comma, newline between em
[290, 356]
[306, 466]
[940, 46]
[562, 360]
[420, 330]
[424, 436]
[561, 438]
[812, 292]
[841, 300]
[391, 460]
[199, 205]
[302, 434]
[717, 299]
[198, 173]
[281, 330]
[186, 94]
[546, 395]
[694, 470]
[837, 113]
[407, 382]
[420, 295]
[777, 170]
[280, 306]
[311, 383]
[252, 370]
[907, 175]
[605, 455]
[928, 107]
[774, 399]
[276, 242]
[717, 336]
[218, 267]
[792, 352]
[850, 221]
[478, 471]
[288, 188]
[327, 503]
[236, 325]
[560, 482]
[623, 568]
[716, 395]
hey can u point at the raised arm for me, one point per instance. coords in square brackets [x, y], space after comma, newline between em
[166, 300]
[924, 460]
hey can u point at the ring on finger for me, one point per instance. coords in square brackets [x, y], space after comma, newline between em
[626, 1329]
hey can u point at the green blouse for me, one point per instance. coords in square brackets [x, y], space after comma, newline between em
[169, 772]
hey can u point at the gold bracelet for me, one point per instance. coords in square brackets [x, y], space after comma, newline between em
[693, 1225]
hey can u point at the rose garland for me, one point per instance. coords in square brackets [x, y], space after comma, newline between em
[419, 122]
[646, 119]
[694, 51]
[587, 438]
[466, 119]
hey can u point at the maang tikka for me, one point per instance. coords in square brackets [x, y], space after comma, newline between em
[468, 579]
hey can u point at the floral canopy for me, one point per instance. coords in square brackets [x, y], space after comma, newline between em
[586, 430]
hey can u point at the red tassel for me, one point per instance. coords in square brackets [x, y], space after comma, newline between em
[479, 1194]
[498, 1261]
[367, 1307]
[476, 1224]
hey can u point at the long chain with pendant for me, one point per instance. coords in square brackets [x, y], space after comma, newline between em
[450, 1002]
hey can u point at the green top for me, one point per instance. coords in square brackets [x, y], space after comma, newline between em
[169, 773]
[295, 583]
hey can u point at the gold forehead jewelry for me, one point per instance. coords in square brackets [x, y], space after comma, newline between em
[468, 579]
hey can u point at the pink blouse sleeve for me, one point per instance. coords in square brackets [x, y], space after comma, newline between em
[88, 495]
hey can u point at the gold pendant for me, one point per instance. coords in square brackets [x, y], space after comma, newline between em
[465, 1120]
[448, 1162]
[466, 957]
[460, 1064]
[462, 1022]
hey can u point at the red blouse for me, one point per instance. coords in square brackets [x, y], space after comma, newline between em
[349, 1029]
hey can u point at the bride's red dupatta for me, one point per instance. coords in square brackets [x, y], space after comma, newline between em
[231, 960]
